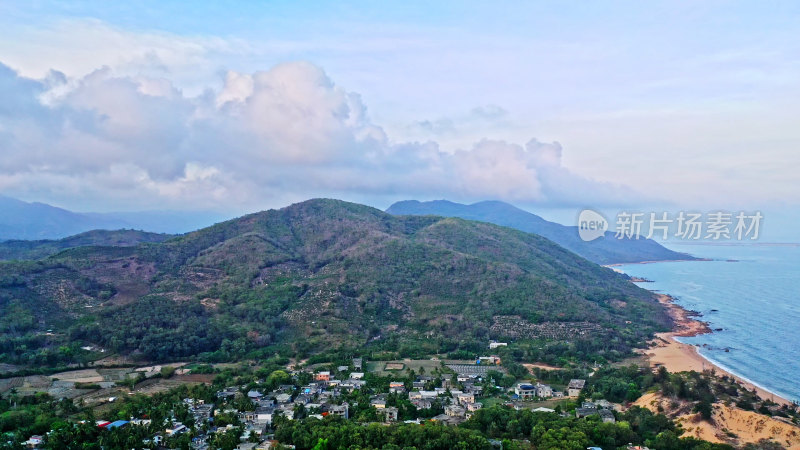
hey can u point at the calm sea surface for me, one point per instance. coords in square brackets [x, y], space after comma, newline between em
[751, 293]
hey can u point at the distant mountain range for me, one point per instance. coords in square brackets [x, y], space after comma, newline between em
[29, 250]
[322, 275]
[606, 250]
[35, 221]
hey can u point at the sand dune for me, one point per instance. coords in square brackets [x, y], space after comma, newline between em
[729, 424]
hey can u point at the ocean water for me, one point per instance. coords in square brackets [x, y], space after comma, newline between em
[750, 292]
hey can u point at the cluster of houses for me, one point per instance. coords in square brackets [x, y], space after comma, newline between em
[458, 396]
[528, 391]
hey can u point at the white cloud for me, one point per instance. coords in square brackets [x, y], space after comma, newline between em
[78, 46]
[285, 133]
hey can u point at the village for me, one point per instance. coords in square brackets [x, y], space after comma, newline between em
[450, 394]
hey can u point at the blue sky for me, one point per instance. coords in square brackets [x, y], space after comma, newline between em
[689, 104]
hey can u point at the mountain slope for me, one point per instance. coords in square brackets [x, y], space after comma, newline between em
[10, 250]
[319, 276]
[608, 250]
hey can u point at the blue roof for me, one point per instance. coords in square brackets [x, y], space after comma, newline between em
[117, 424]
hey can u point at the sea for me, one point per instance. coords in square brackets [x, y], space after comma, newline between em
[750, 296]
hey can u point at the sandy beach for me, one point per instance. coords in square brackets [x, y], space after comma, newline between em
[666, 351]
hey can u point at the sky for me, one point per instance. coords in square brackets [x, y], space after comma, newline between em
[235, 107]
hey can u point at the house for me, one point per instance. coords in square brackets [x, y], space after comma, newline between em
[200, 442]
[603, 403]
[463, 398]
[378, 402]
[302, 399]
[474, 389]
[201, 412]
[390, 413]
[397, 387]
[421, 403]
[286, 411]
[177, 428]
[322, 376]
[285, 388]
[228, 392]
[358, 363]
[342, 410]
[607, 416]
[447, 420]
[34, 441]
[494, 360]
[454, 411]
[263, 415]
[494, 344]
[587, 409]
[254, 395]
[525, 391]
[575, 386]
[416, 395]
[311, 389]
[356, 375]
[342, 368]
[543, 409]
[543, 390]
[283, 398]
[116, 424]
[472, 407]
[351, 384]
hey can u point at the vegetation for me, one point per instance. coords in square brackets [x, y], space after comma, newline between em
[321, 276]
[71, 425]
[603, 251]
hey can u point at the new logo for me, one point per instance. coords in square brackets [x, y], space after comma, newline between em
[591, 225]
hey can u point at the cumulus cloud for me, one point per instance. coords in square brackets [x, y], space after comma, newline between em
[286, 133]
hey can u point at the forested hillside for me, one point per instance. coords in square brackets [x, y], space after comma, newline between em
[607, 250]
[322, 276]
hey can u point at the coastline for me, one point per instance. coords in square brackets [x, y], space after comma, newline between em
[665, 350]
[611, 266]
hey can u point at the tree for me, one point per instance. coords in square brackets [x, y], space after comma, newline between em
[705, 409]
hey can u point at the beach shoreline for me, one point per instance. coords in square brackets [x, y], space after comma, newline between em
[665, 350]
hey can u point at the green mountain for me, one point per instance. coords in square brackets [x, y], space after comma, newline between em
[10, 250]
[322, 276]
[607, 250]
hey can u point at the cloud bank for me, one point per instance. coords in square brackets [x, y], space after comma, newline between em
[263, 139]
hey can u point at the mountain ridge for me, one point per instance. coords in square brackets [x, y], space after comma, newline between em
[606, 250]
[38, 249]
